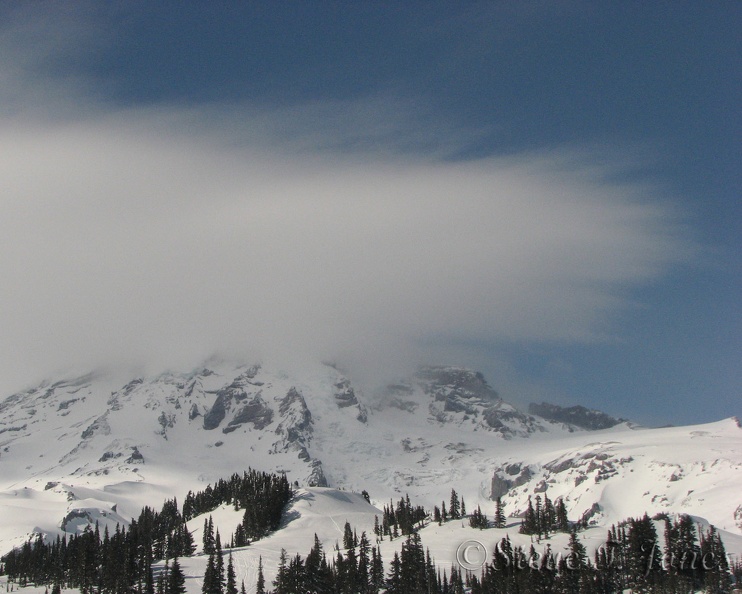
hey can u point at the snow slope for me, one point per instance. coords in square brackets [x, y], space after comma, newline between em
[99, 447]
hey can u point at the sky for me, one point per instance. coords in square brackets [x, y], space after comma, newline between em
[546, 192]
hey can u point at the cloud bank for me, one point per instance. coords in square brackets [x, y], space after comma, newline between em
[126, 238]
[160, 236]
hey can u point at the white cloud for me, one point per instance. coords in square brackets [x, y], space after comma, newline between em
[124, 237]
[161, 235]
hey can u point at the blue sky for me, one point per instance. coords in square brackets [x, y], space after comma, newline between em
[591, 151]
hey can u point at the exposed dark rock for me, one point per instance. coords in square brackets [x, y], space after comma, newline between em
[217, 412]
[300, 420]
[21, 428]
[132, 385]
[345, 396]
[590, 514]
[98, 427]
[256, 412]
[513, 469]
[166, 421]
[234, 392]
[136, 457]
[501, 485]
[455, 383]
[194, 412]
[317, 476]
[579, 416]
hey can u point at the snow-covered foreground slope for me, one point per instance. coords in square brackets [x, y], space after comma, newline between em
[324, 511]
[98, 448]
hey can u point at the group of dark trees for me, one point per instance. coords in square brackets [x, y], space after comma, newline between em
[687, 560]
[456, 509]
[631, 559]
[404, 519]
[358, 569]
[110, 563]
[478, 520]
[262, 495]
[121, 562]
[545, 517]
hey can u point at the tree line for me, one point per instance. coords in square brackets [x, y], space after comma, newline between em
[121, 563]
[688, 558]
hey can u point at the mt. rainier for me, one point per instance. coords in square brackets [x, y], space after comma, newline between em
[97, 448]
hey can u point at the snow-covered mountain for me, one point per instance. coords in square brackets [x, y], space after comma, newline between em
[98, 448]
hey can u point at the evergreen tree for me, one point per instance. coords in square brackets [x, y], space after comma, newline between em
[221, 577]
[211, 584]
[562, 523]
[529, 525]
[348, 536]
[643, 557]
[718, 580]
[281, 582]
[499, 520]
[377, 571]
[175, 579]
[231, 577]
[454, 507]
[209, 545]
[393, 582]
[260, 586]
[478, 519]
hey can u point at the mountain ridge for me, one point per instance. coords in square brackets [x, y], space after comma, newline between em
[99, 448]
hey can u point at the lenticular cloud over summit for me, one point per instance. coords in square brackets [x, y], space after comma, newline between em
[150, 236]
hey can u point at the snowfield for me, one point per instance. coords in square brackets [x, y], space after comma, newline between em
[99, 447]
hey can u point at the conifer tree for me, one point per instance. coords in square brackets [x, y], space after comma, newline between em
[221, 577]
[281, 582]
[208, 536]
[715, 563]
[175, 579]
[562, 522]
[211, 583]
[231, 577]
[454, 509]
[393, 582]
[260, 586]
[529, 525]
[347, 536]
[499, 520]
[377, 571]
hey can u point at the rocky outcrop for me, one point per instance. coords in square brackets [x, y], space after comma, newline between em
[579, 416]
[501, 484]
[217, 412]
[256, 411]
[345, 397]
